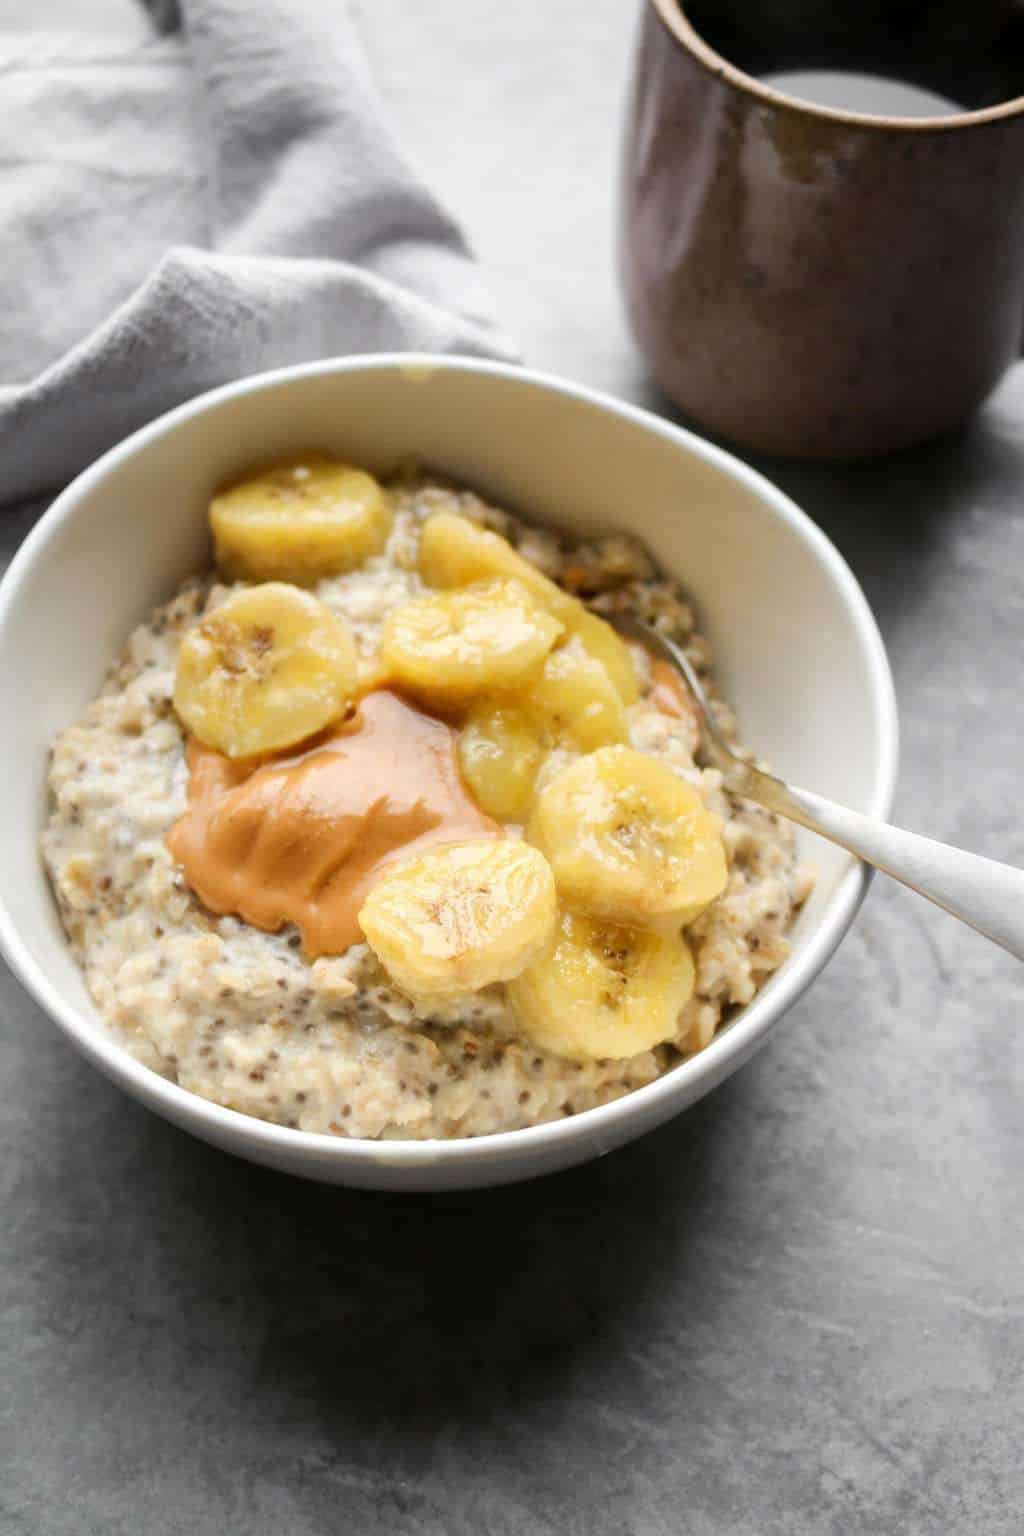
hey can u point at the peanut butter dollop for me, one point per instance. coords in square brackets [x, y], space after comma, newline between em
[669, 693]
[300, 838]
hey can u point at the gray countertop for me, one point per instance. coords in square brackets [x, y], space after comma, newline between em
[800, 1307]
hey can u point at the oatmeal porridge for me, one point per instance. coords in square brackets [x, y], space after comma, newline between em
[378, 829]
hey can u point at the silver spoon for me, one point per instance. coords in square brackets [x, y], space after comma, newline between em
[982, 893]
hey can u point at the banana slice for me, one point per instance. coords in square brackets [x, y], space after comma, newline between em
[500, 754]
[604, 645]
[574, 701]
[604, 991]
[449, 647]
[454, 552]
[266, 669]
[461, 917]
[628, 840]
[301, 521]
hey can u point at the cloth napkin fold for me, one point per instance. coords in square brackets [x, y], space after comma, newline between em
[221, 199]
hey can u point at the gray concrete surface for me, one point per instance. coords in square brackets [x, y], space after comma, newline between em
[800, 1308]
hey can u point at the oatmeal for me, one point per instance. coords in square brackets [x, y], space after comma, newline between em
[249, 997]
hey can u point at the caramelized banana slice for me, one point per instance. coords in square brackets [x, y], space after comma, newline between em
[628, 840]
[454, 552]
[461, 917]
[500, 754]
[604, 991]
[266, 669]
[301, 521]
[604, 645]
[574, 702]
[449, 647]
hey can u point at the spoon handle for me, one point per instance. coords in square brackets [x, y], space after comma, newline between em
[981, 892]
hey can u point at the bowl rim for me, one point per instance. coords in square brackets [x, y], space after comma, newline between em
[737, 1040]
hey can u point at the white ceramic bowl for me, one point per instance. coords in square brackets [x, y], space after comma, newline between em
[797, 650]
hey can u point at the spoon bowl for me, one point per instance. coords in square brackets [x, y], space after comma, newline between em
[984, 894]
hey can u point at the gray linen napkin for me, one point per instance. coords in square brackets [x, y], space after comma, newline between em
[198, 206]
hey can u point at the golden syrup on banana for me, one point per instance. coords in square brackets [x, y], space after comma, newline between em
[300, 838]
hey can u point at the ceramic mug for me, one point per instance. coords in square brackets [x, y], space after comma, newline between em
[811, 280]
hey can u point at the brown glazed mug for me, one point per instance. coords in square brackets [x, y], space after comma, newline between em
[811, 280]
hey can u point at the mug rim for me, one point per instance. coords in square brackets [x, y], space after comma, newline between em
[682, 30]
